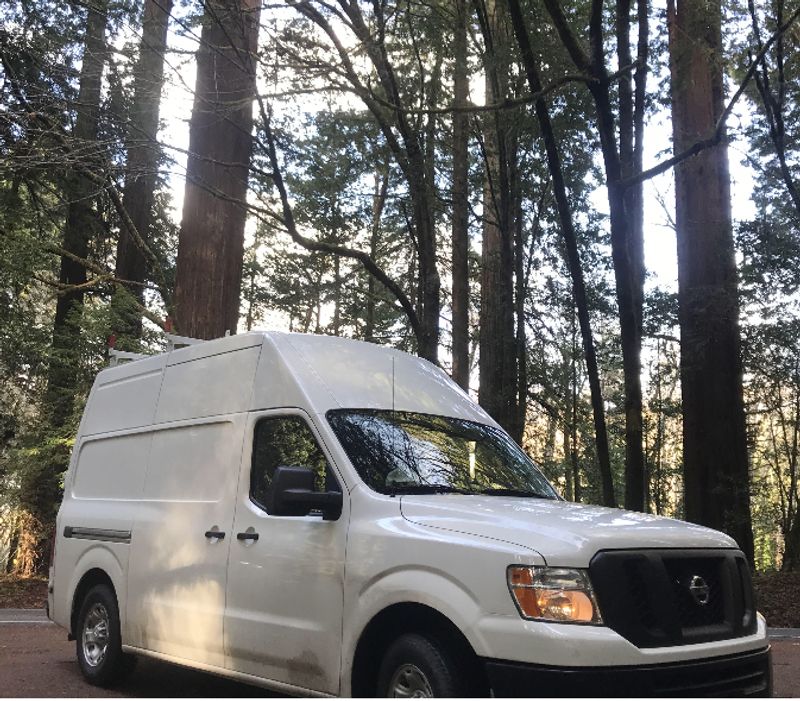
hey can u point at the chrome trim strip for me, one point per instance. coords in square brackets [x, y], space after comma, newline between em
[108, 535]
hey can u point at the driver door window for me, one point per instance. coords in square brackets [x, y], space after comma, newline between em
[288, 441]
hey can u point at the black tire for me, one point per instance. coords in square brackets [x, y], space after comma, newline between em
[443, 672]
[97, 639]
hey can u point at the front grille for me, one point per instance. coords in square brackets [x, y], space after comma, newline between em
[659, 598]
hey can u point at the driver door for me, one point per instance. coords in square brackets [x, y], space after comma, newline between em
[283, 618]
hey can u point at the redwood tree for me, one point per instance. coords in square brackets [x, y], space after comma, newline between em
[716, 479]
[82, 221]
[142, 162]
[460, 255]
[497, 391]
[211, 241]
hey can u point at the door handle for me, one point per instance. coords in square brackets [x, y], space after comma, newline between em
[247, 536]
[215, 534]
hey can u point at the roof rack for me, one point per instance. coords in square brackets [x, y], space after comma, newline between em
[118, 357]
[175, 342]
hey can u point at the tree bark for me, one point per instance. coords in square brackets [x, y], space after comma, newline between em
[141, 167]
[716, 478]
[81, 222]
[631, 131]
[497, 392]
[572, 253]
[460, 232]
[211, 240]
[378, 203]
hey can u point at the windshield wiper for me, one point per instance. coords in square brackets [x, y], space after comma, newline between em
[505, 492]
[425, 489]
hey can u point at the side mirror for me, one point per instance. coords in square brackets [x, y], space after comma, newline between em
[291, 493]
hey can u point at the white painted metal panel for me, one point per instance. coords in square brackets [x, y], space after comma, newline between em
[208, 386]
[177, 575]
[111, 468]
[327, 372]
[124, 396]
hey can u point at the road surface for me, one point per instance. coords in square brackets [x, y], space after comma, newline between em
[36, 660]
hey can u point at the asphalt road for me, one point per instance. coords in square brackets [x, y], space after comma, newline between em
[36, 660]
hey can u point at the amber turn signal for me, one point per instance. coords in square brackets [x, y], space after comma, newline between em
[553, 594]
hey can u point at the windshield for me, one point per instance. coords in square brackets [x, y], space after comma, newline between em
[397, 452]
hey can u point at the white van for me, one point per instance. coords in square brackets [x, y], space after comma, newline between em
[320, 516]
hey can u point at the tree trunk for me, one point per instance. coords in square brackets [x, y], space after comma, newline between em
[41, 495]
[211, 241]
[337, 295]
[631, 130]
[573, 254]
[81, 223]
[716, 479]
[460, 241]
[573, 426]
[791, 554]
[141, 167]
[521, 343]
[497, 392]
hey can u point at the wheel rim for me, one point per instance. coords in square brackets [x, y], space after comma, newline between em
[95, 635]
[410, 682]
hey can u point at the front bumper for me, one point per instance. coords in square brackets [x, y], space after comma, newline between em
[744, 674]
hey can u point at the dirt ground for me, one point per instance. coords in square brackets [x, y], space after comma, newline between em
[16, 593]
[778, 598]
[37, 660]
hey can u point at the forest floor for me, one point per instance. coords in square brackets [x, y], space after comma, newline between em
[22, 593]
[777, 593]
[778, 598]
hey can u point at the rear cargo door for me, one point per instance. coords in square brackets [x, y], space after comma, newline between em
[181, 539]
[179, 550]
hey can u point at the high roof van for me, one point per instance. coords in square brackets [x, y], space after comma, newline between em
[321, 516]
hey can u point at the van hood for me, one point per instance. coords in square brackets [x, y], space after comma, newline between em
[563, 533]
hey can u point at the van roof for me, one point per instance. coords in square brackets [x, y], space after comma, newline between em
[269, 369]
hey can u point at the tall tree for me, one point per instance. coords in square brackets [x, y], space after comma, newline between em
[460, 243]
[142, 151]
[81, 223]
[573, 260]
[716, 478]
[497, 392]
[211, 241]
[626, 248]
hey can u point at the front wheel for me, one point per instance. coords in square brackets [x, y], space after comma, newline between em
[98, 642]
[416, 666]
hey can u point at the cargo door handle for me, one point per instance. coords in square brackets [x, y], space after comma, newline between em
[247, 536]
[215, 534]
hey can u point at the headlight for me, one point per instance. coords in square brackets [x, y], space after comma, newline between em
[553, 594]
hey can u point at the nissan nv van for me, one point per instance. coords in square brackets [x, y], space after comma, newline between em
[321, 516]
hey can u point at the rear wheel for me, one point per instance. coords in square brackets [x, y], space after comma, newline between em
[416, 666]
[98, 643]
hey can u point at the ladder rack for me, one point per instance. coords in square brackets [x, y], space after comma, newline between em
[174, 342]
[118, 357]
